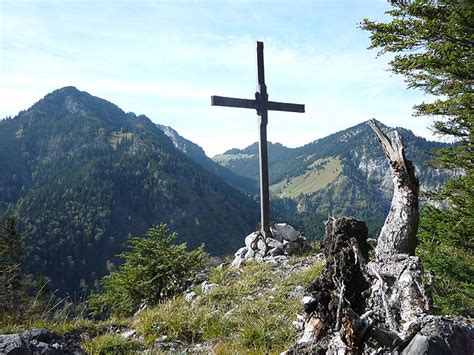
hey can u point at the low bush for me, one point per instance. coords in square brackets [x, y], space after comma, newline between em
[153, 270]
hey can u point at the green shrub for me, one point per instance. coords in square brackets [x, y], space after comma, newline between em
[446, 250]
[153, 270]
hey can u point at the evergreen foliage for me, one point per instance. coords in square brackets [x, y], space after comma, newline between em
[12, 276]
[154, 269]
[433, 45]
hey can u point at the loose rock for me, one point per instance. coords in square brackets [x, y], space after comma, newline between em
[190, 296]
[287, 232]
[207, 287]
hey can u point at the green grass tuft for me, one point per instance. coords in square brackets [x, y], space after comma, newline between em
[111, 344]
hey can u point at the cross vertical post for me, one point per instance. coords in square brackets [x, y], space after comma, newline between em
[262, 105]
[261, 97]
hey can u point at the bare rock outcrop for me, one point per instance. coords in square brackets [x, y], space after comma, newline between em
[284, 241]
[40, 341]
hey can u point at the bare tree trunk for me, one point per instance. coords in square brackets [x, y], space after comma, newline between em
[398, 234]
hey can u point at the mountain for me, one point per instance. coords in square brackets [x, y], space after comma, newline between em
[197, 154]
[345, 173]
[81, 175]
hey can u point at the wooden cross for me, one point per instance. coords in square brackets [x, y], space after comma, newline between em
[262, 105]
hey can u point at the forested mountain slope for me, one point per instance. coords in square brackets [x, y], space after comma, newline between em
[345, 173]
[80, 174]
[197, 154]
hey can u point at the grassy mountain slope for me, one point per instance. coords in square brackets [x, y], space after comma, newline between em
[80, 175]
[319, 175]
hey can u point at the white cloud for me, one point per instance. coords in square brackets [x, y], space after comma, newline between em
[144, 60]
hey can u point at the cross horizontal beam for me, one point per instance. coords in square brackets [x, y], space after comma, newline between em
[283, 106]
[233, 102]
[253, 104]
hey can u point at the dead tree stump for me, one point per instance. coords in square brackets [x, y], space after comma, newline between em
[381, 305]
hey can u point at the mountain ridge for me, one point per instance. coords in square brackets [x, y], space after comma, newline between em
[345, 173]
[80, 175]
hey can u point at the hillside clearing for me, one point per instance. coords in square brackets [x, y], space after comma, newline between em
[318, 176]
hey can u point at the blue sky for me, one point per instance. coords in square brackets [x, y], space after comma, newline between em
[164, 59]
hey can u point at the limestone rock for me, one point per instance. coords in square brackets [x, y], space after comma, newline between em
[287, 232]
[261, 247]
[13, 344]
[39, 347]
[40, 341]
[276, 236]
[274, 243]
[290, 248]
[190, 296]
[321, 258]
[442, 335]
[277, 260]
[250, 240]
[237, 262]
[309, 304]
[42, 335]
[250, 254]
[298, 292]
[241, 252]
[208, 287]
[128, 333]
[275, 252]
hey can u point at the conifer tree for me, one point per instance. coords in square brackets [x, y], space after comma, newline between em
[432, 42]
[12, 277]
[155, 268]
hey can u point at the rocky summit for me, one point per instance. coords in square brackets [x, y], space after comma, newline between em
[283, 242]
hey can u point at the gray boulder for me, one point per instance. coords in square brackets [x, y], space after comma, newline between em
[290, 248]
[261, 247]
[440, 335]
[241, 252]
[275, 252]
[298, 292]
[207, 287]
[237, 263]
[42, 335]
[250, 254]
[287, 232]
[13, 344]
[190, 296]
[250, 240]
[273, 243]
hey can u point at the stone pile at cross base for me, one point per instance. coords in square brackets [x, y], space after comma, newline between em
[285, 241]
